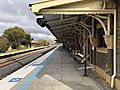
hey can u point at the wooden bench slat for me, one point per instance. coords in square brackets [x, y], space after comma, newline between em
[81, 55]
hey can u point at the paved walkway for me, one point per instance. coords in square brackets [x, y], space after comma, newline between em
[61, 74]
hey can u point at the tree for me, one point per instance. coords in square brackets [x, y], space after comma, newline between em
[17, 36]
[43, 43]
[27, 40]
[4, 44]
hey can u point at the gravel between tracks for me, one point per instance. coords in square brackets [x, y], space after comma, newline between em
[8, 69]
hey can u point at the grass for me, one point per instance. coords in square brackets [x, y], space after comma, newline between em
[23, 49]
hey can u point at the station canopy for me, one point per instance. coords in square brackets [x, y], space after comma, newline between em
[62, 16]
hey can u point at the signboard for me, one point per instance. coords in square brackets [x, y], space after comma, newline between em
[15, 79]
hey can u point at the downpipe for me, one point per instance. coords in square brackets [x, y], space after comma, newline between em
[114, 59]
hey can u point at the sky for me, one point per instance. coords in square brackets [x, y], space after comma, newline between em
[17, 13]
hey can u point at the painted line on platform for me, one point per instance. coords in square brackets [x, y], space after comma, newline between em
[24, 71]
[28, 81]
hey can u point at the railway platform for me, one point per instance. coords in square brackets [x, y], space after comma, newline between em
[56, 70]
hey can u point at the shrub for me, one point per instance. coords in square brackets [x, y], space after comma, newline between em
[4, 44]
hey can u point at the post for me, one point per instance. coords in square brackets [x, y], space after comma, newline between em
[85, 63]
[85, 71]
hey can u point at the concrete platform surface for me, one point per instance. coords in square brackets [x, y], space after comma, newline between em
[61, 74]
[20, 75]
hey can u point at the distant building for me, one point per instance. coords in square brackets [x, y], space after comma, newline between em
[34, 43]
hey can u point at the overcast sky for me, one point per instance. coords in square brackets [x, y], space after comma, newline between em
[17, 13]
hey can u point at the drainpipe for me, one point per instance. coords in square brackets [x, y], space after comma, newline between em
[108, 25]
[115, 61]
[104, 4]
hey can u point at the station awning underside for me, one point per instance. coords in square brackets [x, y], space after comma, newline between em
[65, 18]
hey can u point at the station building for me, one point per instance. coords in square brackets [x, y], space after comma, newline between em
[89, 27]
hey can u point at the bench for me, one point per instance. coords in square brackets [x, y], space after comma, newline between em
[80, 58]
[85, 57]
[83, 60]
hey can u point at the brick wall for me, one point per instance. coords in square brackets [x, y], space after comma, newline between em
[101, 60]
[118, 40]
[110, 61]
[105, 60]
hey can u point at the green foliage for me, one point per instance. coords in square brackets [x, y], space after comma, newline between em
[17, 36]
[43, 43]
[27, 40]
[4, 44]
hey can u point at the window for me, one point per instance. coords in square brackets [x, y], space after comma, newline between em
[101, 42]
[102, 48]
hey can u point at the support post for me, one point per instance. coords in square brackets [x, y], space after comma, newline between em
[85, 62]
[85, 71]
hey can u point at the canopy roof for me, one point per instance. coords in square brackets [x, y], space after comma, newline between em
[69, 7]
[62, 16]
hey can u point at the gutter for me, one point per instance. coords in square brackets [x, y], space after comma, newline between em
[115, 60]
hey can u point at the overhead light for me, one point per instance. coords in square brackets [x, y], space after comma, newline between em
[41, 21]
[40, 16]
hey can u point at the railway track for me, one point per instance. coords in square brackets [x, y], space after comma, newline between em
[13, 62]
